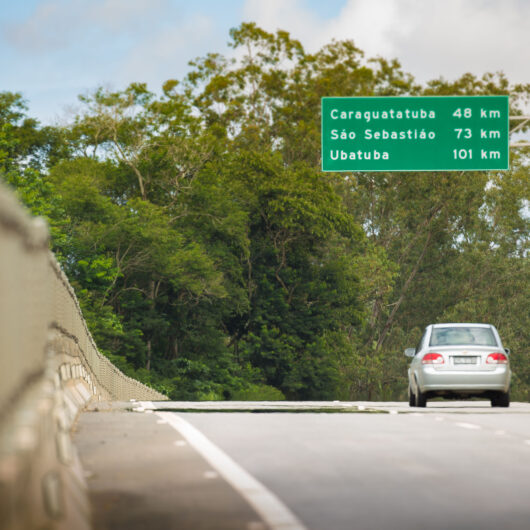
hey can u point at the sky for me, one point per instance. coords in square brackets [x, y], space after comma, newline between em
[53, 50]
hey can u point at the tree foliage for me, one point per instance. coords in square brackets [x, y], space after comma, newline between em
[214, 260]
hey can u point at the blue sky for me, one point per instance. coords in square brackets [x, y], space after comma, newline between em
[53, 50]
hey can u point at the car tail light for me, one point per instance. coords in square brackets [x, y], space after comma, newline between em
[497, 358]
[432, 358]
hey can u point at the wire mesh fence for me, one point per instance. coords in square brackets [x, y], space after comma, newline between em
[37, 305]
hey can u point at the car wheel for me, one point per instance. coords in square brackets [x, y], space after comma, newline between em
[502, 399]
[421, 399]
[412, 398]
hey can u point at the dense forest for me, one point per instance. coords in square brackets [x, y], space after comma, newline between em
[213, 259]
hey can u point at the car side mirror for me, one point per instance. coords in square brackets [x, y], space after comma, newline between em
[410, 352]
[507, 350]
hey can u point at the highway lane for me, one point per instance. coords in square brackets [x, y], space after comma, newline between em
[451, 466]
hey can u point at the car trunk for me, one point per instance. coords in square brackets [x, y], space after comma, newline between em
[465, 358]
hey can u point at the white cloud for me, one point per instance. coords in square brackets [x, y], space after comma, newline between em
[58, 24]
[43, 31]
[162, 55]
[111, 42]
[430, 38]
[370, 24]
[279, 14]
[458, 36]
[120, 15]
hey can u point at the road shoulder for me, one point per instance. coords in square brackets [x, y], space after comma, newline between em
[142, 474]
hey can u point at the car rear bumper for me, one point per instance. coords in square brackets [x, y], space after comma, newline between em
[430, 379]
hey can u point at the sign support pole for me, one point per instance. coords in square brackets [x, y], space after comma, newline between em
[524, 121]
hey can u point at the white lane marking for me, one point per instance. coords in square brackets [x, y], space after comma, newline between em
[500, 433]
[161, 422]
[180, 443]
[143, 406]
[210, 474]
[468, 425]
[527, 442]
[269, 507]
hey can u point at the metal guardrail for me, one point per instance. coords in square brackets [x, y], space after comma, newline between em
[50, 368]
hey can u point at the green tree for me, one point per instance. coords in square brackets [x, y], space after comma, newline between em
[212, 257]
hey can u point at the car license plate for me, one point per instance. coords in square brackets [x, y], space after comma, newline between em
[465, 360]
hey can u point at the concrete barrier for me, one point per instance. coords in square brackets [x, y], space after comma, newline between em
[50, 368]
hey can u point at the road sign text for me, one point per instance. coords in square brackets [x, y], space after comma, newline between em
[415, 133]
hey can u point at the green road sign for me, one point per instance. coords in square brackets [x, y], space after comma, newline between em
[428, 133]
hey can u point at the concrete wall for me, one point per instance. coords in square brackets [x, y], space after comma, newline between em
[50, 369]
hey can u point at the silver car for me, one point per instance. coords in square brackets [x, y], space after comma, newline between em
[459, 361]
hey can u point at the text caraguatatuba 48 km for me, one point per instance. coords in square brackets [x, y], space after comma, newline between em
[426, 133]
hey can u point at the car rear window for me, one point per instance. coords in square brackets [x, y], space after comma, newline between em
[452, 336]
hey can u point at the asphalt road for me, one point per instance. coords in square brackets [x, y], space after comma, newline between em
[449, 466]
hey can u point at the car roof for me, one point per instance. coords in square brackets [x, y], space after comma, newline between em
[461, 325]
